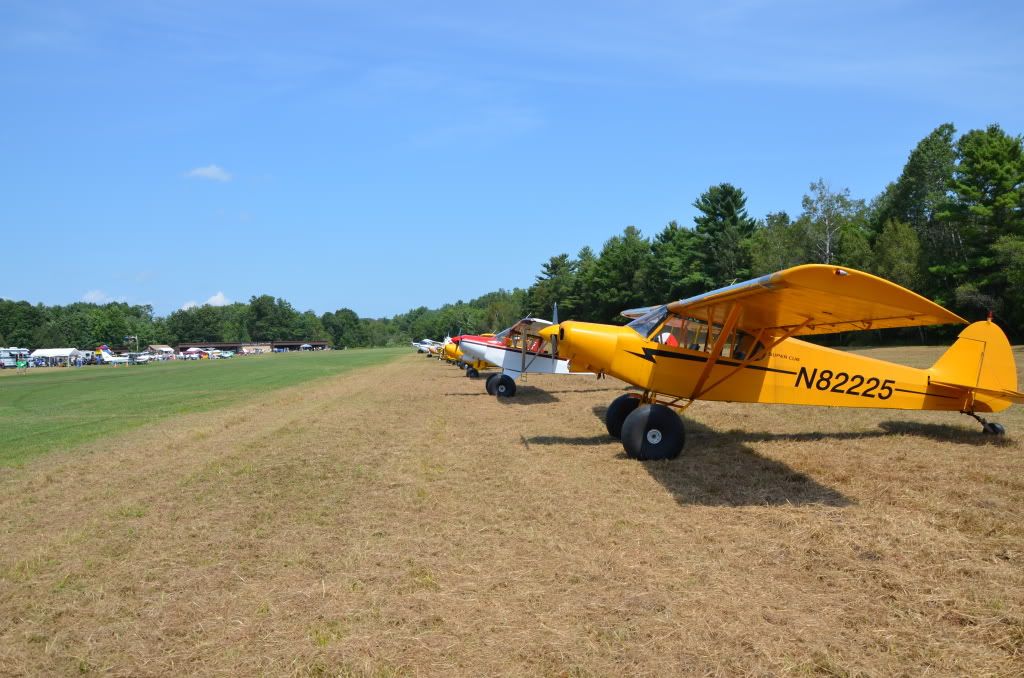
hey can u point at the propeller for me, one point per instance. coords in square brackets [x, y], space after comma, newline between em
[554, 337]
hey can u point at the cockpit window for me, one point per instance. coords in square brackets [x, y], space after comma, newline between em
[694, 334]
[646, 323]
[673, 332]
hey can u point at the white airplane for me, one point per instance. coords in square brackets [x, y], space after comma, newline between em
[428, 346]
[516, 351]
[107, 357]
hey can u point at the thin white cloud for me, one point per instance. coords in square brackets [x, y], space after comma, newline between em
[218, 300]
[483, 127]
[97, 297]
[210, 172]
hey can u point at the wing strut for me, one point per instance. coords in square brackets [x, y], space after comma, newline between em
[522, 349]
[727, 327]
[697, 393]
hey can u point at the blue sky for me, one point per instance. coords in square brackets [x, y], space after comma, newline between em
[383, 156]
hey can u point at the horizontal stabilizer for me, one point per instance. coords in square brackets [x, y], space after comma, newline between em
[1001, 393]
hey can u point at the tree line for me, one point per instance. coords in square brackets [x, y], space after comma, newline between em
[950, 227]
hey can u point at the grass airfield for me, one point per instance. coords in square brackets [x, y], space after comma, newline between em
[43, 410]
[395, 520]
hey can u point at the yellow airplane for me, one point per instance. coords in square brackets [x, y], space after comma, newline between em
[737, 344]
[454, 355]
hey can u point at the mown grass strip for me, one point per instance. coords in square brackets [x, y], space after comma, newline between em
[47, 410]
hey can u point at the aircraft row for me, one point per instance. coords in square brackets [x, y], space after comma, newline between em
[739, 344]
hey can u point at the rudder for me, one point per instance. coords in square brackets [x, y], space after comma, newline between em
[980, 358]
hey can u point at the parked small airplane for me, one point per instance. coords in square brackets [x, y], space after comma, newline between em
[454, 354]
[737, 344]
[427, 346]
[515, 351]
[106, 356]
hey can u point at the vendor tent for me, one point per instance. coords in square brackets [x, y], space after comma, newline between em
[56, 356]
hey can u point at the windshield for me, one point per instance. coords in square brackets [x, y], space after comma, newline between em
[645, 324]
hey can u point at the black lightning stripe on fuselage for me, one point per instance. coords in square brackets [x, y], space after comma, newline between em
[924, 393]
[650, 353]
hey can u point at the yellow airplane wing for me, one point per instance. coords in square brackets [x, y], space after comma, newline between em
[817, 299]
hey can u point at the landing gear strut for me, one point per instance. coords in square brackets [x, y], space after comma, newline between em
[989, 427]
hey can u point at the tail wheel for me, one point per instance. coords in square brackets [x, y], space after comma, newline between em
[653, 432]
[617, 412]
[994, 429]
[472, 372]
[490, 383]
[504, 386]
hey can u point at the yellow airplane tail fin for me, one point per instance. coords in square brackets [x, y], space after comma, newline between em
[980, 361]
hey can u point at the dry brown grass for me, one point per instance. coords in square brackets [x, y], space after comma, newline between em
[398, 521]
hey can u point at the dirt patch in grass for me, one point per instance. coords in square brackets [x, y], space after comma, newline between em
[399, 521]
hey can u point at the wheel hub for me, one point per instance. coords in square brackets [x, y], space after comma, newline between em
[654, 436]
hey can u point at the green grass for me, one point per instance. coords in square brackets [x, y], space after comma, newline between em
[46, 410]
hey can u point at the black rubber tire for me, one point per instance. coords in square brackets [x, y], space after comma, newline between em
[472, 372]
[617, 412]
[653, 432]
[994, 429]
[489, 384]
[504, 386]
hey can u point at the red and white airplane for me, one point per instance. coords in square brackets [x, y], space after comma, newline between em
[515, 351]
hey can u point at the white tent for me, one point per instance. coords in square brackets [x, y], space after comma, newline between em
[56, 356]
[64, 353]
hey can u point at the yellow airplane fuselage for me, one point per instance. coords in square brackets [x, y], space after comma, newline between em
[453, 353]
[797, 372]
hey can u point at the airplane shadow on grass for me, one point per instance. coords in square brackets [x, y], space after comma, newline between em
[532, 395]
[525, 395]
[529, 395]
[719, 468]
[942, 433]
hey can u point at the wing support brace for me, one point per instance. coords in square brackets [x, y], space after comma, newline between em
[524, 365]
[698, 391]
[716, 350]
